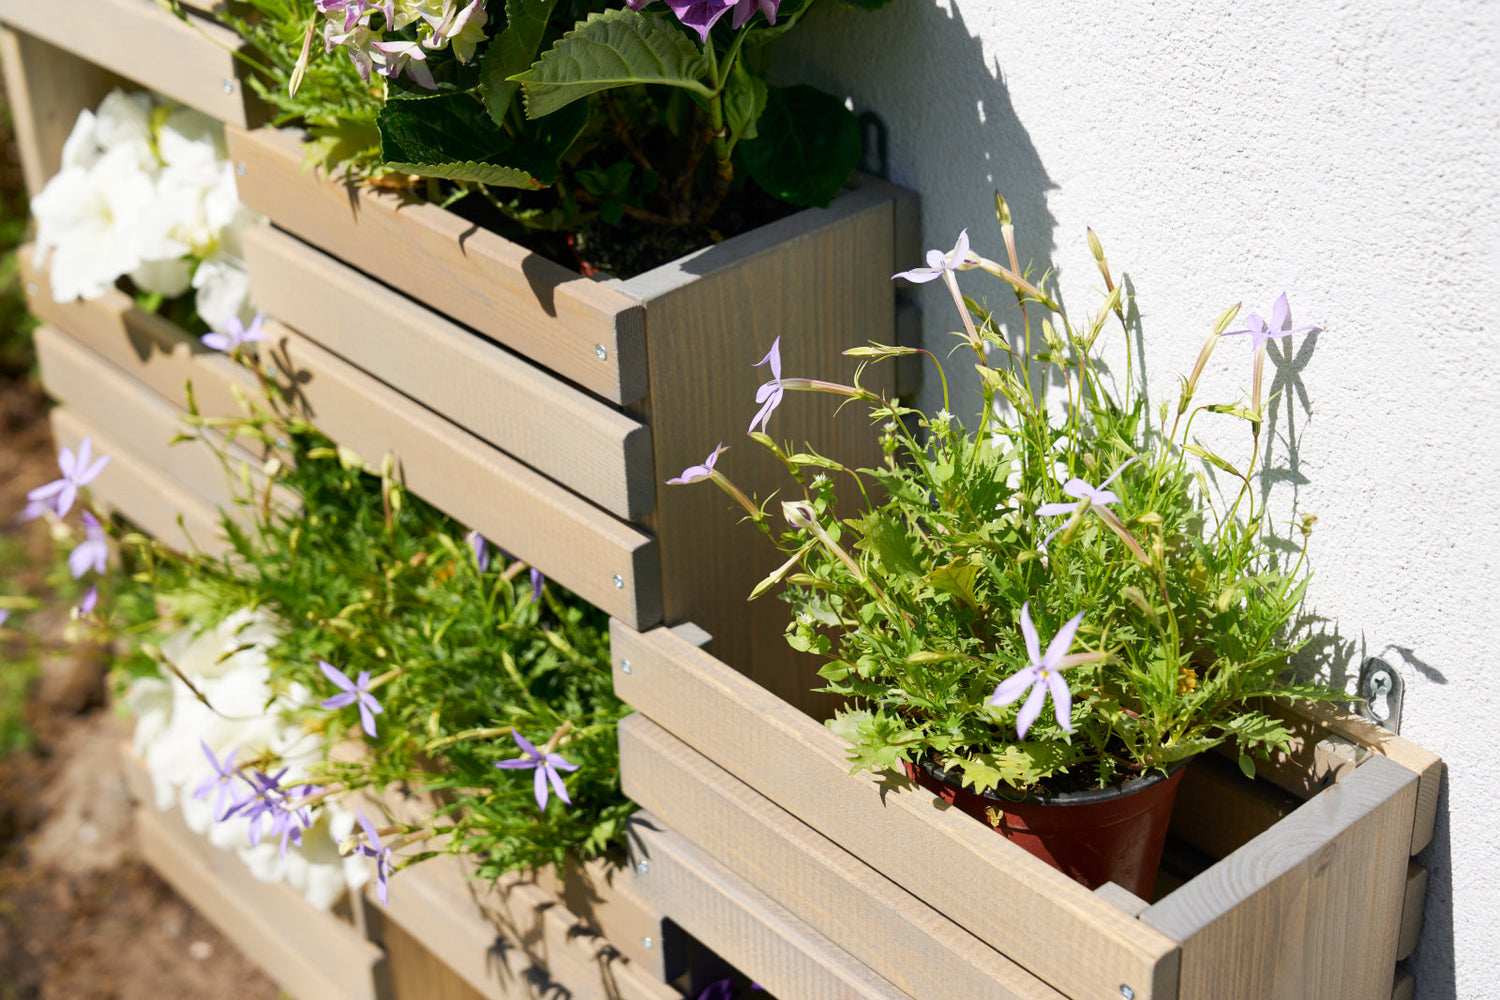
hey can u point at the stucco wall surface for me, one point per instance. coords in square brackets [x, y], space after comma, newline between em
[1348, 154]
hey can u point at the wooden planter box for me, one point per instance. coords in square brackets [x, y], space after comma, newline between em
[604, 387]
[1278, 897]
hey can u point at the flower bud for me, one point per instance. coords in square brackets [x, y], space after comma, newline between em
[799, 514]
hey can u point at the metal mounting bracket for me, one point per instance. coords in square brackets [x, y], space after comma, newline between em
[1382, 692]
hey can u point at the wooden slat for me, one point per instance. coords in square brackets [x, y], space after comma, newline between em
[415, 973]
[1412, 905]
[509, 294]
[588, 446]
[600, 893]
[46, 88]
[820, 280]
[310, 953]
[1076, 942]
[572, 541]
[130, 486]
[1219, 810]
[1311, 721]
[839, 897]
[743, 926]
[514, 937]
[103, 396]
[1309, 908]
[193, 64]
[150, 348]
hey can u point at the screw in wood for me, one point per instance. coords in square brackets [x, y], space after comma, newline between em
[1127, 992]
[228, 86]
[646, 943]
[600, 352]
[619, 582]
[239, 168]
[624, 666]
[643, 866]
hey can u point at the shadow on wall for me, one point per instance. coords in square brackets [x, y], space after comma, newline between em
[909, 62]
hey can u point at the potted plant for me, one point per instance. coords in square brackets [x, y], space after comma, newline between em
[1082, 554]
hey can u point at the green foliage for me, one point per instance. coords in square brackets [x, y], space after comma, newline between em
[368, 577]
[806, 146]
[913, 590]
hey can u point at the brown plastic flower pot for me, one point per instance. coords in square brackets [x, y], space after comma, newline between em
[1113, 834]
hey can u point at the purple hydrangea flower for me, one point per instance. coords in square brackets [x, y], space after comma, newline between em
[223, 780]
[92, 552]
[355, 691]
[381, 854]
[235, 334]
[770, 393]
[700, 15]
[1043, 675]
[77, 472]
[537, 579]
[546, 769]
[391, 58]
[695, 473]
[744, 10]
[481, 548]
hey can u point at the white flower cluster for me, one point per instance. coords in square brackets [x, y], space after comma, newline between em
[146, 190]
[439, 24]
[228, 663]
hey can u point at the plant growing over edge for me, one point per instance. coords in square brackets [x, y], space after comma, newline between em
[933, 595]
[457, 670]
[557, 112]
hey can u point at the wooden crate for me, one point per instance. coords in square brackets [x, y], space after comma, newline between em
[1310, 904]
[671, 349]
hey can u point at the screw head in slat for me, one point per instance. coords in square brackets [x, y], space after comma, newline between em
[600, 352]
[624, 666]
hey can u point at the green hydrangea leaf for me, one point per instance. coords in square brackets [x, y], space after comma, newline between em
[453, 138]
[513, 51]
[808, 145]
[613, 48]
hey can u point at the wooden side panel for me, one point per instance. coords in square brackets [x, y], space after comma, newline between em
[532, 305]
[1313, 720]
[131, 487]
[819, 280]
[1412, 906]
[1077, 943]
[190, 63]
[104, 396]
[311, 954]
[515, 940]
[841, 899]
[150, 348]
[601, 895]
[46, 88]
[743, 926]
[605, 561]
[585, 444]
[1310, 908]
[1219, 810]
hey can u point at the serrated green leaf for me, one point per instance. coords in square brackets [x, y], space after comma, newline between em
[613, 48]
[513, 51]
[453, 138]
[808, 145]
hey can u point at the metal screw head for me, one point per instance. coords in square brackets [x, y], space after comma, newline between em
[646, 942]
[619, 582]
[600, 352]
[624, 666]
[228, 86]
[643, 866]
[1127, 992]
[31, 288]
[239, 168]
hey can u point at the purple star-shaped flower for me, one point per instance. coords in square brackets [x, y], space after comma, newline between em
[382, 855]
[89, 602]
[481, 548]
[223, 780]
[942, 265]
[1260, 332]
[4, 616]
[235, 334]
[537, 579]
[92, 552]
[769, 394]
[546, 769]
[695, 473]
[1042, 675]
[265, 801]
[77, 472]
[1099, 498]
[355, 691]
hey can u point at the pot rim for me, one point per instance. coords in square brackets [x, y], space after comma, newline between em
[1088, 796]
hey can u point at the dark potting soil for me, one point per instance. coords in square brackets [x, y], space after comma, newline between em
[631, 246]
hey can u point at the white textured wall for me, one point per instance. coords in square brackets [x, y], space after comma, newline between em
[1346, 153]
